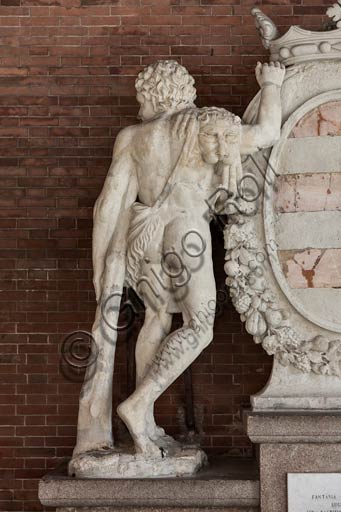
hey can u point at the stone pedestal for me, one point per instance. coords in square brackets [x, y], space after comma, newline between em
[292, 442]
[226, 484]
[182, 461]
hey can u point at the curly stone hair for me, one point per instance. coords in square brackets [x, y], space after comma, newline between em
[167, 84]
[208, 114]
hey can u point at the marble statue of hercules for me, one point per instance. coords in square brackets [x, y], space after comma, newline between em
[144, 158]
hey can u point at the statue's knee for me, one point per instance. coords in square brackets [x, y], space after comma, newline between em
[200, 338]
[202, 326]
[172, 264]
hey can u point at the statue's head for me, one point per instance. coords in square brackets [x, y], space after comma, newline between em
[219, 135]
[164, 86]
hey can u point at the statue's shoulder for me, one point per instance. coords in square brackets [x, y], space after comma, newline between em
[146, 132]
[126, 135]
[125, 140]
[151, 131]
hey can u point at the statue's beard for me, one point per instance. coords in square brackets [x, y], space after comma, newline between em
[232, 157]
[225, 160]
[216, 159]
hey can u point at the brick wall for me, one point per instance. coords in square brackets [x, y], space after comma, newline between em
[67, 71]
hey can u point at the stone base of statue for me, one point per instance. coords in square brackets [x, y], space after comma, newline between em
[225, 484]
[290, 442]
[115, 463]
[290, 389]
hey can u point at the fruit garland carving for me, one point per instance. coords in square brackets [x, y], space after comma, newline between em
[256, 304]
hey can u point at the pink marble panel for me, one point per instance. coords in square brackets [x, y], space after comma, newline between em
[323, 120]
[285, 193]
[334, 193]
[311, 192]
[308, 192]
[312, 268]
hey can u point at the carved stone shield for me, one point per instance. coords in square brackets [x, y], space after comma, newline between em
[284, 262]
[302, 210]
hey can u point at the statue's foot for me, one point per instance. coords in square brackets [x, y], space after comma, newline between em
[92, 439]
[158, 434]
[134, 419]
[154, 431]
[167, 444]
[163, 440]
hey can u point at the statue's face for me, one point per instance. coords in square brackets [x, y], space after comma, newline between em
[218, 142]
[146, 111]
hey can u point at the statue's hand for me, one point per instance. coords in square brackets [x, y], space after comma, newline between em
[270, 74]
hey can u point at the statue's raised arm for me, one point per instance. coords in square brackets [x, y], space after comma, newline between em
[267, 129]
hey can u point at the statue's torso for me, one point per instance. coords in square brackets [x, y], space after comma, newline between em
[173, 216]
[156, 151]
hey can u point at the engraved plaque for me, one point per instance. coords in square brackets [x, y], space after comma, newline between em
[314, 492]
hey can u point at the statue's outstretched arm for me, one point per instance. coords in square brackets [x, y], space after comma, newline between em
[267, 129]
[118, 193]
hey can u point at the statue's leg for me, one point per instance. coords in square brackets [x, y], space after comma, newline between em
[177, 351]
[94, 430]
[156, 327]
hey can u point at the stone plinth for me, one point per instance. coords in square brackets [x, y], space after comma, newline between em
[292, 442]
[183, 461]
[229, 484]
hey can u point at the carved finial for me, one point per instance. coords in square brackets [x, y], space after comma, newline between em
[265, 26]
[334, 13]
